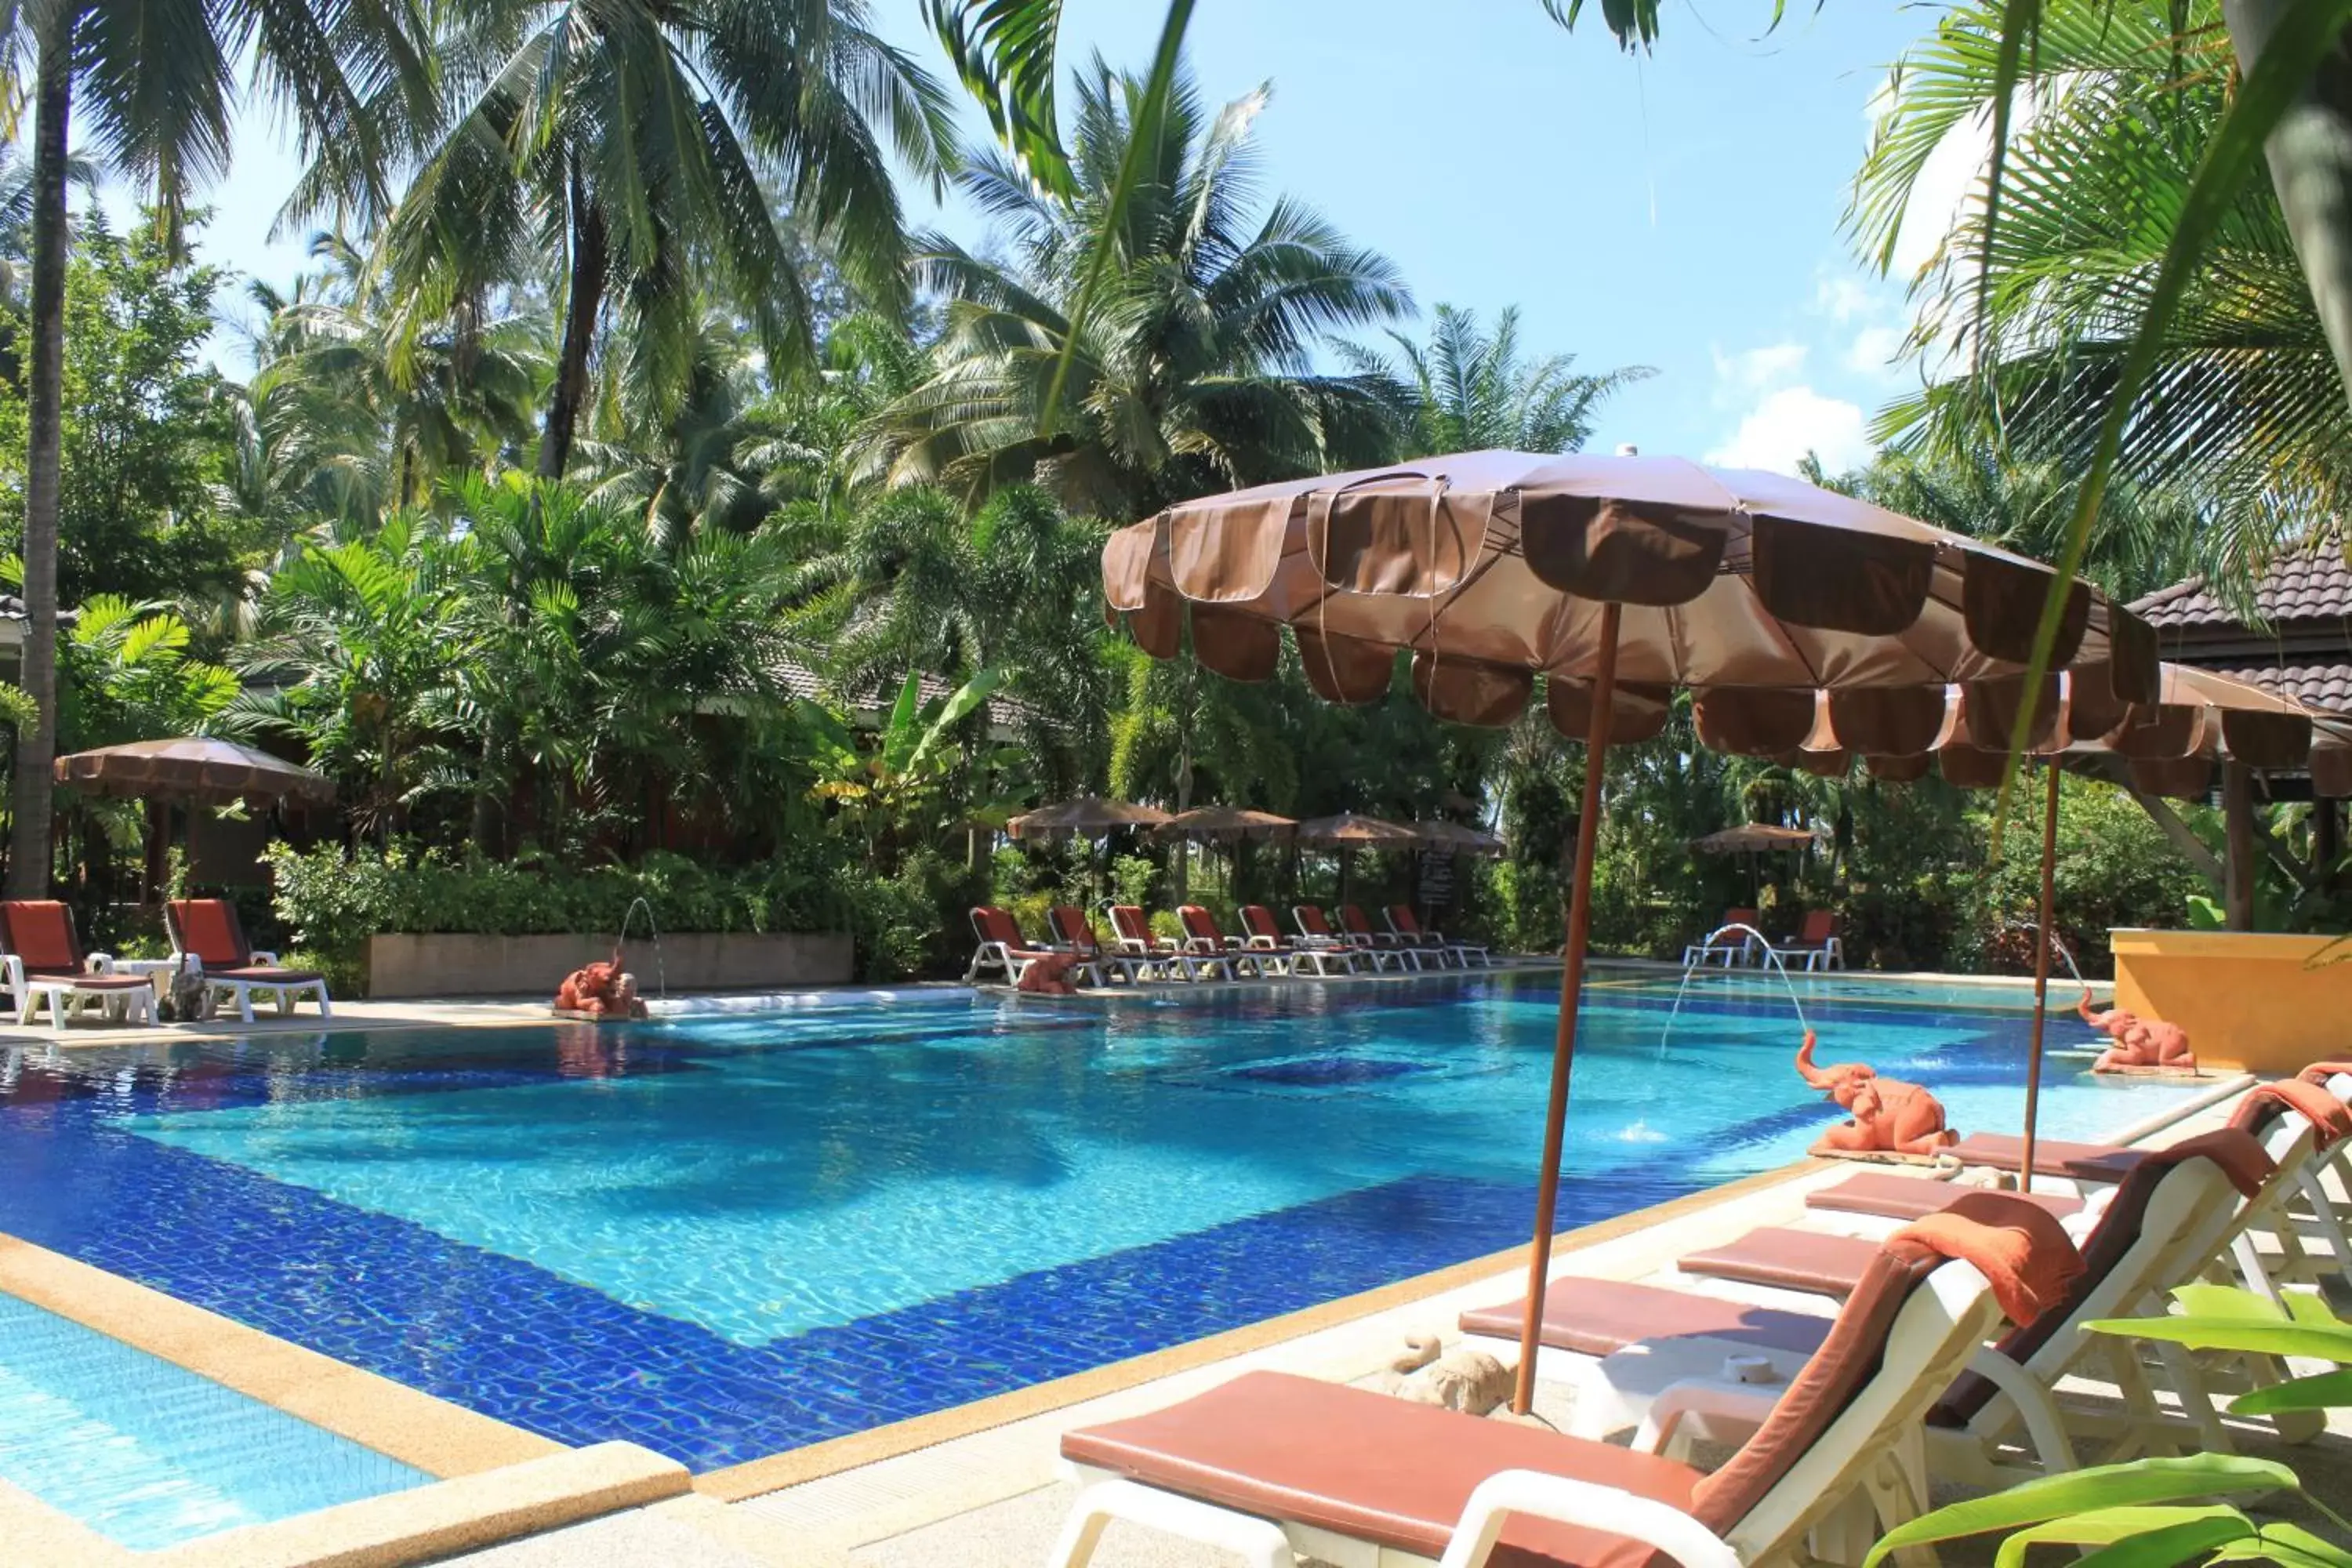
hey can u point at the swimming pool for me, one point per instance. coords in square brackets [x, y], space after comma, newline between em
[725, 1236]
[150, 1453]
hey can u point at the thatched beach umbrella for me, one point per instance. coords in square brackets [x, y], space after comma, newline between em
[1615, 579]
[1755, 840]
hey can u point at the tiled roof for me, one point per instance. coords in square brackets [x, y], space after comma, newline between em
[800, 680]
[2315, 584]
[2327, 687]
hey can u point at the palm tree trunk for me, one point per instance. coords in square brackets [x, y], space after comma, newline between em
[2310, 156]
[32, 791]
[581, 301]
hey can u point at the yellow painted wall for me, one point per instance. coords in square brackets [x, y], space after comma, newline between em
[2252, 1000]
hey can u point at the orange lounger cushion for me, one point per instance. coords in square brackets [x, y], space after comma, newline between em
[1914, 1197]
[1809, 1260]
[1600, 1317]
[2005, 1152]
[96, 981]
[1373, 1467]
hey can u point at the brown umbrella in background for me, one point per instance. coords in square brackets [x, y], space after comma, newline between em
[2170, 747]
[1755, 840]
[1230, 825]
[1615, 579]
[1222, 823]
[191, 771]
[1460, 839]
[1350, 831]
[1088, 816]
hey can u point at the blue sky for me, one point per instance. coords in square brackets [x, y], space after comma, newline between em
[1679, 210]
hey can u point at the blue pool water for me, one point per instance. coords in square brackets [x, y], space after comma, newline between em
[150, 1453]
[730, 1235]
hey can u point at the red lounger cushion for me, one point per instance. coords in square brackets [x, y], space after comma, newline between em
[209, 928]
[40, 932]
[96, 982]
[1810, 1261]
[1915, 1197]
[1600, 1317]
[1376, 1468]
[258, 974]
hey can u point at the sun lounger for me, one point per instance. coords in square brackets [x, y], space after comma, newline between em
[1271, 1466]
[45, 962]
[1075, 934]
[207, 931]
[1817, 942]
[1314, 928]
[1005, 948]
[1359, 927]
[1265, 935]
[1619, 1344]
[1732, 950]
[1206, 942]
[1132, 928]
[1408, 928]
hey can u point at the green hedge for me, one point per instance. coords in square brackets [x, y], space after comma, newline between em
[331, 900]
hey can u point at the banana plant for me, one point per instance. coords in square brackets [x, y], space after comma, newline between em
[879, 783]
[2154, 1514]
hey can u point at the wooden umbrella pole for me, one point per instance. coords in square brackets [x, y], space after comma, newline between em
[1571, 982]
[2042, 940]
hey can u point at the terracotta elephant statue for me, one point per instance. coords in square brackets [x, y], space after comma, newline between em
[1890, 1117]
[2139, 1042]
[600, 991]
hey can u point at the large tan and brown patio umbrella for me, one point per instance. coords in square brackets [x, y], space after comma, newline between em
[1615, 579]
[2168, 748]
[192, 771]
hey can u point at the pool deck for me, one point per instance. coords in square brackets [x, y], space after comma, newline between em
[979, 1485]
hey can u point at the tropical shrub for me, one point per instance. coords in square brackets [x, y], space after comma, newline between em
[2154, 1514]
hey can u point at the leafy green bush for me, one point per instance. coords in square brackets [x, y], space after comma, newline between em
[329, 903]
[2159, 1512]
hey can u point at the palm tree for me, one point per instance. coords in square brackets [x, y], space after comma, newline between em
[355, 409]
[1466, 390]
[1191, 372]
[152, 83]
[636, 144]
[2243, 406]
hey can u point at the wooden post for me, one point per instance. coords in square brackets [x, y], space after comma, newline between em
[1571, 982]
[2238, 868]
[2042, 942]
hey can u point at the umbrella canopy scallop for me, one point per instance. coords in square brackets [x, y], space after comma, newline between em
[1492, 567]
[195, 769]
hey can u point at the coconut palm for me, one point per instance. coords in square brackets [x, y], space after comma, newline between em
[153, 84]
[1191, 372]
[637, 143]
[1466, 390]
[2243, 404]
[353, 411]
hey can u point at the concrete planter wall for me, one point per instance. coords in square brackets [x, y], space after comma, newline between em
[460, 965]
[2257, 1002]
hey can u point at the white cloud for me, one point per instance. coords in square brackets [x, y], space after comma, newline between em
[1753, 370]
[1791, 422]
[1842, 297]
[1874, 349]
